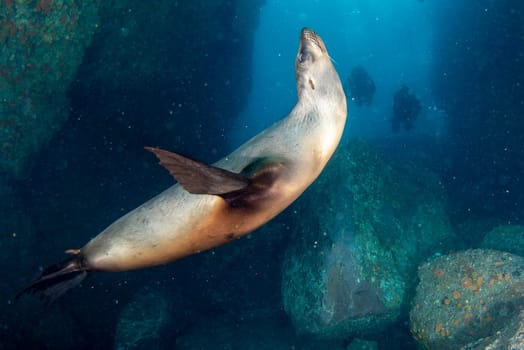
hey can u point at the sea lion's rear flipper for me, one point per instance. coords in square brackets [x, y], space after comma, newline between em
[58, 279]
[197, 177]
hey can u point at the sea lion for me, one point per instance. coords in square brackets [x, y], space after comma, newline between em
[214, 204]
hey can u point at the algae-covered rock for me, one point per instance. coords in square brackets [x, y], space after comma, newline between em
[508, 238]
[263, 333]
[510, 337]
[142, 320]
[361, 231]
[467, 296]
[361, 344]
[328, 292]
[41, 45]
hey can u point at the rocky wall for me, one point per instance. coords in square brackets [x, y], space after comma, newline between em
[42, 43]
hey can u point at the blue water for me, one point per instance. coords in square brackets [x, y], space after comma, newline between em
[392, 42]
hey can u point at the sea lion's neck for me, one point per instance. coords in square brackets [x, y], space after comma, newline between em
[314, 108]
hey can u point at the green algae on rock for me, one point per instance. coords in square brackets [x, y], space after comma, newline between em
[361, 344]
[142, 320]
[42, 45]
[510, 337]
[466, 296]
[348, 269]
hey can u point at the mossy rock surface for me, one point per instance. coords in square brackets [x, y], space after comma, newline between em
[467, 296]
[359, 235]
[42, 45]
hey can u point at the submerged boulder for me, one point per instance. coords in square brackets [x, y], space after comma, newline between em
[328, 290]
[507, 238]
[142, 320]
[361, 344]
[510, 337]
[361, 231]
[469, 299]
[264, 333]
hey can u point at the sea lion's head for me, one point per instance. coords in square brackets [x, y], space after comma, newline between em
[315, 74]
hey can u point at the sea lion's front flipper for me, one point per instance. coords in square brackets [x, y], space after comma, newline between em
[262, 174]
[197, 177]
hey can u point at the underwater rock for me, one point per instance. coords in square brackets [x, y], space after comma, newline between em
[142, 320]
[264, 333]
[360, 233]
[510, 337]
[507, 238]
[42, 44]
[327, 291]
[361, 344]
[472, 228]
[466, 296]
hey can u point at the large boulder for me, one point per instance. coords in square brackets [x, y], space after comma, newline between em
[360, 344]
[465, 297]
[509, 337]
[42, 44]
[328, 290]
[508, 238]
[142, 320]
[274, 333]
[360, 233]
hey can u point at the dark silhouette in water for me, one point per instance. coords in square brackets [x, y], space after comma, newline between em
[360, 87]
[406, 108]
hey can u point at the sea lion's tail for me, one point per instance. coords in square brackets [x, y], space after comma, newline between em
[57, 279]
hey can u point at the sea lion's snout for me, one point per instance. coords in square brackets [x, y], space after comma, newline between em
[308, 39]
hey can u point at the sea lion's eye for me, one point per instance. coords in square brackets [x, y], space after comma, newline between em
[303, 56]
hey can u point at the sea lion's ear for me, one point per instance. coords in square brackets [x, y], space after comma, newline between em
[197, 177]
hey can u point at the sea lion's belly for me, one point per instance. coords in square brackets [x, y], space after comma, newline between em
[165, 228]
[176, 224]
